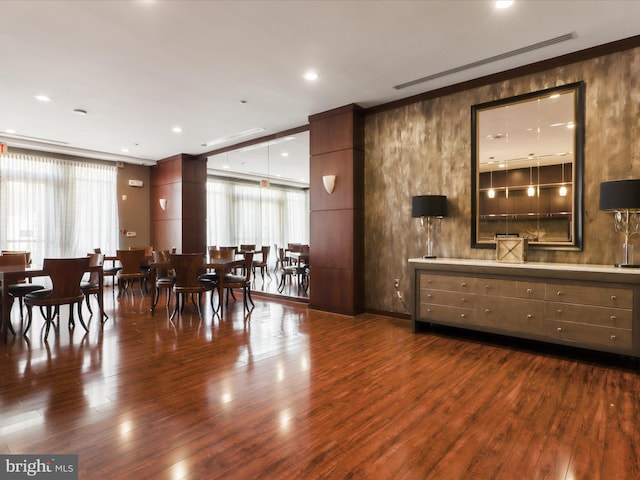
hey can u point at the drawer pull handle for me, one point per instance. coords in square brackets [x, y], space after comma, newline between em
[613, 297]
[559, 310]
[463, 284]
[559, 329]
[428, 310]
[559, 293]
[486, 310]
[613, 317]
[487, 287]
[463, 315]
[529, 291]
[428, 295]
[462, 300]
[529, 316]
[613, 337]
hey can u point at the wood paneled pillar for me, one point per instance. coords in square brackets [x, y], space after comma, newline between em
[182, 181]
[337, 219]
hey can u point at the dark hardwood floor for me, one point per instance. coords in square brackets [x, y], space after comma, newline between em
[292, 393]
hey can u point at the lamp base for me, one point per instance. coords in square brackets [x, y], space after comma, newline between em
[429, 256]
[626, 265]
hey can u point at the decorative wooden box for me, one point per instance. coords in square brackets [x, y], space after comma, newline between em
[511, 250]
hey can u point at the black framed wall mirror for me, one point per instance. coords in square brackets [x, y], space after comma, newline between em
[527, 155]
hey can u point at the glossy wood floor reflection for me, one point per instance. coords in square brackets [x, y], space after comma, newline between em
[288, 393]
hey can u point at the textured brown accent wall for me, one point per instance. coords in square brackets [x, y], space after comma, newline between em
[425, 148]
[336, 220]
[180, 179]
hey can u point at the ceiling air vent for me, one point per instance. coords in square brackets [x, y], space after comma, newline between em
[502, 56]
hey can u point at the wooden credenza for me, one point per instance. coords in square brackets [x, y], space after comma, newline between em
[589, 306]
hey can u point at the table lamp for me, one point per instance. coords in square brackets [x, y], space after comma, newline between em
[429, 207]
[623, 198]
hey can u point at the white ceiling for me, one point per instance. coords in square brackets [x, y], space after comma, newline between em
[140, 68]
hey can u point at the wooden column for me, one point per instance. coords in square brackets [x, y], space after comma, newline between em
[182, 181]
[337, 219]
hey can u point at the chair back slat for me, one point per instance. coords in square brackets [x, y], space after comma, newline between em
[188, 267]
[66, 275]
[131, 260]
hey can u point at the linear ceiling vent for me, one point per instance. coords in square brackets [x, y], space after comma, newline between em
[502, 56]
[35, 139]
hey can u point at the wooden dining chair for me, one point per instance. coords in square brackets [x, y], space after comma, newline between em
[22, 288]
[131, 261]
[165, 277]
[262, 263]
[109, 270]
[232, 281]
[189, 268]
[66, 275]
[91, 286]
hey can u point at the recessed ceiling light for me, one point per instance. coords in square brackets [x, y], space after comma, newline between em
[311, 76]
[226, 166]
[503, 3]
[284, 154]
[42, 98]
[125, 150]
[10, 130]
[176, 130]
[79, 111]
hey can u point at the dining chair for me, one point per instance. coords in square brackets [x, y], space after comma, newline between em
[109, 270]
[91, 286]
[189, 267]
[288, 271]
[22, 288]
[165, 277]
[262, 263]
[232, 281]
[66, 275]
[131, 261]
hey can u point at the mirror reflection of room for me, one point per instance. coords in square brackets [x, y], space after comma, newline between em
[526, 156]
[258, 195]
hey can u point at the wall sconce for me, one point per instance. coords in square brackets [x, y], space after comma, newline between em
[329, 182]
[623, 198]
[163, 203]
[429, 207]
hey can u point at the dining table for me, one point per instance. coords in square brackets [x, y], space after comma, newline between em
[220, 265]
[298, 257]
[14, 273]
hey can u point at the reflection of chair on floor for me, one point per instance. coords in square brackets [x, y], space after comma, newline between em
[262, 263]
[66, 275]
[165, 277]
[22, 288]
[92, 285]
[232, 281]
[131, 261]
[189, 268]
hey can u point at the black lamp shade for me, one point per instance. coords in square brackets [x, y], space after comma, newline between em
[429, 206]
[620, 195]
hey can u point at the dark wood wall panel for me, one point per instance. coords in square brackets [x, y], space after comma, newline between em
[336, 228]
[336, 220]
[180, 179]
[333, 290]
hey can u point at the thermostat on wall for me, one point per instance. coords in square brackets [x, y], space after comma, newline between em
[136, 183]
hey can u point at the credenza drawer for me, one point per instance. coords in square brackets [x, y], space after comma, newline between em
[443, 297]
[530, 290]
[452, 283]
[495, 287]
[446, 314]
[590, 315]
[512, 315]
[587, 295]
[604, 338]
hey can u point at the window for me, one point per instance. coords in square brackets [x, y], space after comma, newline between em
[57, 208]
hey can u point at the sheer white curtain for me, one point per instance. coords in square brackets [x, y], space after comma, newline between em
[57, 208]
[240, 212]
